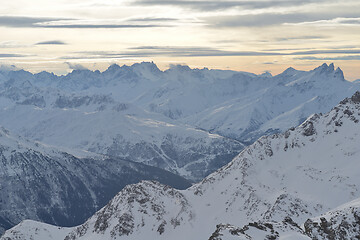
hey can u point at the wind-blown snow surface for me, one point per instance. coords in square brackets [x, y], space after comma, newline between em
[42, 183]
[271, 188]
[154, 117]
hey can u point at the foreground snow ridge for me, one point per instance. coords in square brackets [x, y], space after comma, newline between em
[302, 184]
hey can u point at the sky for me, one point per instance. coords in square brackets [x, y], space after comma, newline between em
[245, 35]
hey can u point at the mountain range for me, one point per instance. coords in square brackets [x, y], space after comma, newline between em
[300, 184]
[81, 138]
[187, 121]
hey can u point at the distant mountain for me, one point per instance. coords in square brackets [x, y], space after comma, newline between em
[273, 104]
[44, 184]
[187, 121]
[301, 184]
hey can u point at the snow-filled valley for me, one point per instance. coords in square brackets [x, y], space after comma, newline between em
[71, 143]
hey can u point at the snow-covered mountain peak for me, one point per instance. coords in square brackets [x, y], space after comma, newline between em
[329, 71]
[290, 71]
[324, 67]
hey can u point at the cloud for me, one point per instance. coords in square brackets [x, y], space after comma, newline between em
[352, 57]
[52, 42]
[195, 51]
[20, 21]
[33, 22]
[327, 51]
[298, 18]
[221, 5]
[310, 37]
[7, 68]
[152, 19]
[75, 66]
[11, 55]
[55, 25]
[345, 46]
[12, 44]
[286, 49]
[331, 22]
[150, 51]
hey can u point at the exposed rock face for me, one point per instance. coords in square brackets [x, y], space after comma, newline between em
[341, 223]
[259, 230]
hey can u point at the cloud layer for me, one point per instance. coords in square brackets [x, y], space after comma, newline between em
[51, 42]
[32, 22]
[197, 51]
[221, 5]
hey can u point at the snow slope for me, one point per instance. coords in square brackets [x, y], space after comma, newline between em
[282, 179]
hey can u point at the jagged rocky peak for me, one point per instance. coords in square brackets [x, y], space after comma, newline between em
[330, 70]
[324, 67]
[339, 73]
